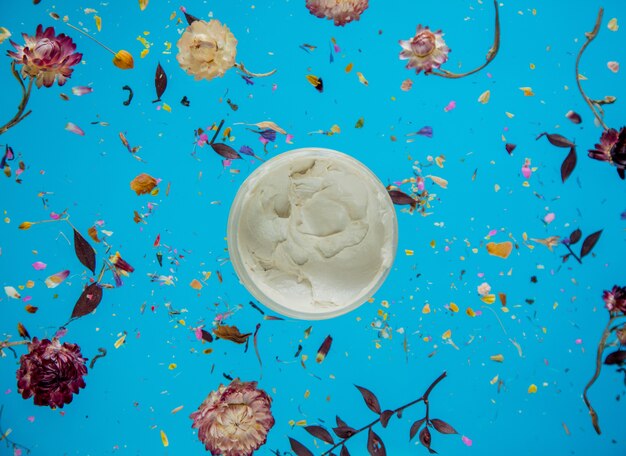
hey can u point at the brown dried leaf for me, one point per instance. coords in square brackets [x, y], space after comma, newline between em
[400, 198]
[226, 151]
[298, 448]
[443, 427]
[557, 140]
[575, 236]
[160, 82]
[385, 417]
[22, 331]
[370, 399]
[375, 445]
[568, 165]
[231, 333]
[84, 252]
[88, 300]
[93, 234]
[143, 183]
[589, 243]
[320, 433]
[415, 427]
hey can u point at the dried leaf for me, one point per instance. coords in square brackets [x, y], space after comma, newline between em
[22, 331]
[84, 252]
[298, 448]
[343, 431]
[375, 445]
[190, 18]
[589, 243]
[575, 236]
[400, 198]
[568, 164]
[88, 300]
[316, 82]
[385, 417]
[226, 151]
[31, 309]
[323, 350]
[231, 333]
[443, 427]
[618, 357]
[557, 140]
[320, 433]
[206, 336]
[93, 234]
[143, 184]
[370, 399]
[425, 437]
[415, 427]
[501, 249]
[160, 82]
[344, 451]
[510, 148]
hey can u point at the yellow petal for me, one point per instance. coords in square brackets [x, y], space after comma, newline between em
[426, 309]
[362, 79]
[484, 97]
[532, 389]
[454, 307]
[98, 20]
[408, 252]
[447, 334]
[501, 249]
[143, 4]
[177, 409]
[172, 366]
[612, 25]
[470, 312]
[120, 341]
[439, 181]
[164, 439]
[488, 299]
[144, 53]
[196, 284]
[497, 358]
[349, 67]
[4, 34]
[528, 91]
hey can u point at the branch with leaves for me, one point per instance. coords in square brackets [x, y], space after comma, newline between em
[375, 445]
[615, 301]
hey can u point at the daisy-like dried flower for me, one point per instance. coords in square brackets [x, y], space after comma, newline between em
[206, 49]
[612, 149]
[46, 57]
[615, 299]
[51, 372]
[425, 51]
[234, 420]
[339, 11]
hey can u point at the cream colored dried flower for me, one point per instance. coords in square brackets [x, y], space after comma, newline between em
[207, 49]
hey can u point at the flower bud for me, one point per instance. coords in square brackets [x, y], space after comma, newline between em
[25, 225]
[123, 60]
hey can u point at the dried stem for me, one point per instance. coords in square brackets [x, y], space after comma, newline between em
[424, 399]
[7, 344]
[573, 254]
[590, 37]
[4, 435]
[26, 91]
[491, 54]
[601, 346]
[243, 69]
[91, 37]
[217, 132]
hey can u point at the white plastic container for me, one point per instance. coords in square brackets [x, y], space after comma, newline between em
[312, 233]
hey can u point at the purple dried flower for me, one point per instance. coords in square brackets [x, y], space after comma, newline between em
[612, 149]
[615, 300]
[51, 372]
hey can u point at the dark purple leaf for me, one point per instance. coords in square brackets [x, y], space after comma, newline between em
[343, 432]
[185, 101]
[160, 82]
[568, 164]
[385, 416]
[510, 148]
[416, 427]
[340, 422]
[225, 151]
[557, 140]
[566, 257]
[400, 198]
[370, 399]
[270, 135]
[425, 438]
[574, 117]
[190, 18]
[618, 357]
[85, 252]
[298, 448]
[375, 445]
[320, 433]
[88, 300]
[206, 335]
[589, 243]
[575, 236]
[344, 451]
[443, 427]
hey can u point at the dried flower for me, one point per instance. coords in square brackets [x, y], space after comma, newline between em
[207, 49]
[340, 11]
[484, 289]
[143, 183]
[25, 225]
[123, 60]
[46, 57]
[612, 149]
[615, 300]
[426, 51]
[51, 372]
[234, 420]
[120, 263]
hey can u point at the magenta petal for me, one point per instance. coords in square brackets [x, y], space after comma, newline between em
[38, 265]
[71, 127]
[81, 90]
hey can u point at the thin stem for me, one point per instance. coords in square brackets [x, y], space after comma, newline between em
[26, 91]
[243, 69]
[424, 399]
[4, 435]
[601, 346]
[217, 132]
[573, 254]
[590, 37]
[91, 38]
[491, 54]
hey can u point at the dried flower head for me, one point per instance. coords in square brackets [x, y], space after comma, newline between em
[234, 420]
[612, 149]
[340, 11]
[615, 299]
[426, 51]
[484, 289]
[123, 60]
[206, 49]
[46, 57]
[51, 372]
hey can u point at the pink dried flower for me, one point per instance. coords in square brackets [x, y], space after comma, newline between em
[612, 149]
[340, 11]
[51, 372]
[46, 57]
[426, 51]
[484, 289]
[234, 420]
[615, 300]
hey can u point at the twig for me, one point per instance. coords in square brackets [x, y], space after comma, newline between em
[590, 37]
[491, 54]
[4, 435]
[243, 69]
[17, 118]
[424, 399]
[573, 254]
[601, 346]
[217, 132]
[6, 344]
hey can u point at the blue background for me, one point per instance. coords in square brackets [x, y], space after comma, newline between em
[131, 392]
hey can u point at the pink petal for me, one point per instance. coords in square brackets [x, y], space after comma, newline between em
[288, 139]
[549, 218]
[526, 172]
[73, 128]
[613, 66]
[466, 440]
[60, 333]
[578, 341]
[38, 265]
[17, 451]
[493, 232]
[199, 333]
[54, 216]
[31, 419]
[450, 106]
[81, 90]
